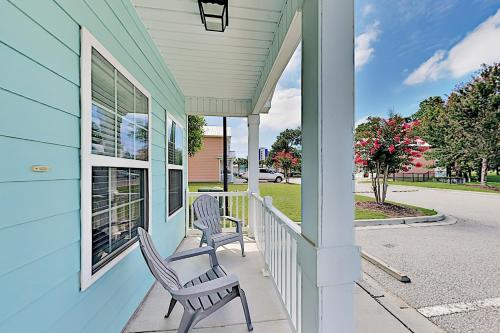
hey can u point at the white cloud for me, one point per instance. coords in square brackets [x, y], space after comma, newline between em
[367, 9]
[480, 46]
[364, 50]
[239, 139]
[361, 121]
[284, 112]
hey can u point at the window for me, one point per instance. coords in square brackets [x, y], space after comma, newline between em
[175, 138]
[115, 165]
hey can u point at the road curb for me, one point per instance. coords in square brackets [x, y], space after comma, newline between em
[400, 276]
[447, 221]
[400, 220]
[407, 315]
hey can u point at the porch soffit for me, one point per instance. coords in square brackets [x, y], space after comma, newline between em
[231, 73]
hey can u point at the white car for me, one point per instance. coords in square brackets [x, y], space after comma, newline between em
[267, 175]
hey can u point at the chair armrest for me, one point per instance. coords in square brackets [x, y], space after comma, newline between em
[239, 228]
[194, 253]
[234, 219]
[206, 288]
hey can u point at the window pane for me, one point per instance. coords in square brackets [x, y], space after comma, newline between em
[103, 81]
[171, 141]
[126, 148]
[141, 143]
[141, 130]
[100, 237]
[179, 145]
[100, 189]
[120, 227]
[119, 186]
[103, 132]
[175, 138]
[175, 196]
[119, 207]
[125, 97]
[141, 107]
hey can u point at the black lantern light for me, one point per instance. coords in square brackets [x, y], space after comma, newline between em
[214, 14]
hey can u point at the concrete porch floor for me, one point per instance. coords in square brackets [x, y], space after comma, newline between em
[264, 302]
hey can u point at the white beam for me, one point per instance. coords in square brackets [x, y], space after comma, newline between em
[329, 259]
[210, 106]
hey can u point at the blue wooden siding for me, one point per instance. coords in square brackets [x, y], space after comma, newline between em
[40, 125]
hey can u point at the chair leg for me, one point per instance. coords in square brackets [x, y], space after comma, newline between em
[243, 298]
[187, 322]
[201, 241]
[171, 307]
[242, 243]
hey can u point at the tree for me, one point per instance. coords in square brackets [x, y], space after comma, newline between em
[289, 140]
[195, 134]
[431, 113]
[286, 161]
[470, 125]
[387, 146]
[240, 161]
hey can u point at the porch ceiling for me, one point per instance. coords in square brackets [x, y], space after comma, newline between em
[221, 71]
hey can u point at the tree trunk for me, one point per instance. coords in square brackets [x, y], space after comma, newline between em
[374, 184]
[484, 170]
[384, 184]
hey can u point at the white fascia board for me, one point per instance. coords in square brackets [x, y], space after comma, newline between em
[281, 52]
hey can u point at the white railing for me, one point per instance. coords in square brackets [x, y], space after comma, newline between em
[277, 237]
[234, 204]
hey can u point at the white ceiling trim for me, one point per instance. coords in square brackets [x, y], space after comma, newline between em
[221, 73]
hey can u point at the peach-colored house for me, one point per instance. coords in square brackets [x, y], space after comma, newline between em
[206, 165]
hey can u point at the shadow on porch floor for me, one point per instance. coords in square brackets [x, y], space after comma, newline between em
[266, 310]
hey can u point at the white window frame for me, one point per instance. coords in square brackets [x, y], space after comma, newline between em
[88, 160]
[175, 167]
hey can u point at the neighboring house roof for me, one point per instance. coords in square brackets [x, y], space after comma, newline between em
[215, 131]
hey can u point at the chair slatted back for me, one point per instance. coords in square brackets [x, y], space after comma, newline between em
[207, 212]
[162, 272]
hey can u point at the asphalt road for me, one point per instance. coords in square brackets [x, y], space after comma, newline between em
[455, 269]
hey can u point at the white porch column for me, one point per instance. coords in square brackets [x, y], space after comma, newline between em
[329, 259]
[253, 164]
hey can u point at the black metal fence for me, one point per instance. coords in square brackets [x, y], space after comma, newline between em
[413, 176]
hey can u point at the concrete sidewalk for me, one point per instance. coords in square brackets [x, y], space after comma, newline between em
[268, 314]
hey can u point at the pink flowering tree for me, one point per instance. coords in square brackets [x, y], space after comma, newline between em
[385, 146]
[286, 161]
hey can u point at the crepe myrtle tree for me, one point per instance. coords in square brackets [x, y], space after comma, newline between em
[286, 161]
[387, 145]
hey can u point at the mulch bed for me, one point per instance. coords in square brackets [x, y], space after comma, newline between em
[486, 187]
[389, 209]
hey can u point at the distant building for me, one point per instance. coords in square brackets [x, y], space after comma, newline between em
[263, 153]
[207, 165]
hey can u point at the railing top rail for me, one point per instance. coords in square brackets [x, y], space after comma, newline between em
[229, 193]
[282, 218]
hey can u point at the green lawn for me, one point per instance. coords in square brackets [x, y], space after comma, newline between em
[493, 180]
[286, 197]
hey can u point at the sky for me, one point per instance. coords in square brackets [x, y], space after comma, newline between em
[405, 51]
